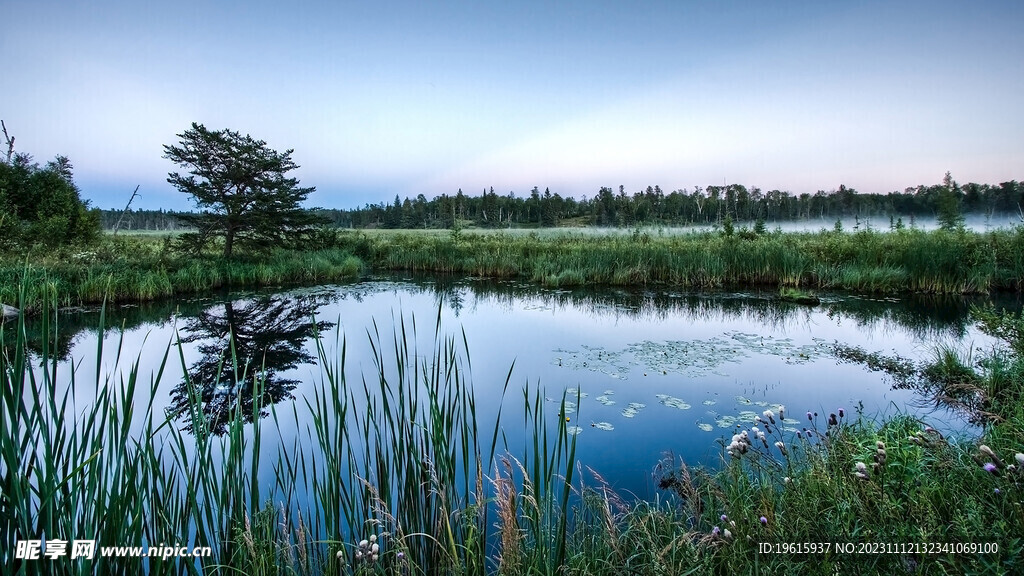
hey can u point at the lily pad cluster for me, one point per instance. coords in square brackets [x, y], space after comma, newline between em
[691, 358]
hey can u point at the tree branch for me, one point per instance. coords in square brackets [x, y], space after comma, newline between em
[134, 194]
[10, 142]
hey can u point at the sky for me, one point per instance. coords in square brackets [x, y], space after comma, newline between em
[379, 99]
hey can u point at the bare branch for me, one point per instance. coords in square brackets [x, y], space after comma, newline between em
[10, 142]
[134, 194]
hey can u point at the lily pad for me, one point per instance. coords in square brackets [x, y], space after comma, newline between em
[604, 426]
[705, 427]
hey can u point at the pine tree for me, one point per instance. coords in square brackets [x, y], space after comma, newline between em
[239, 185]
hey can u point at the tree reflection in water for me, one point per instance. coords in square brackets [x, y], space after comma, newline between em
[266, 335]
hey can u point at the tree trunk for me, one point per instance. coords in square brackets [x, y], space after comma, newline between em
[229, 239]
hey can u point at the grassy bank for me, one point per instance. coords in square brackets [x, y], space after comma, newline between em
[903, 261]
[402, 455]
[140, 268]
[135, 269]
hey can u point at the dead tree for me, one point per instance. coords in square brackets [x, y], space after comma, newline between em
[118, 224]
[10, 142]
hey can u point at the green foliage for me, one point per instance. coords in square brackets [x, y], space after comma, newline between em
[948, 205]
[42, 206]
[759, 227]
[727, 226]
[239, 185]
[869, 261]
[132, 269]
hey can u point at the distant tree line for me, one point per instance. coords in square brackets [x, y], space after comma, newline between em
[651, 206]
[654, 206]
[141, 219]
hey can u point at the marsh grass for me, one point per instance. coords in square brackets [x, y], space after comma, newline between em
[130, 270]
[868, 261]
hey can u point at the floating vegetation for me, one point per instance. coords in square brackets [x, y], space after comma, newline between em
[743, 400]
[672, 402]
[689, 357]
[726, 421]
[791, 421]
[705, 427]
[604, 426]
[747, 416]
[709, 402]
[633, 409]
[605, 400]
[573, 430]
[595, 359]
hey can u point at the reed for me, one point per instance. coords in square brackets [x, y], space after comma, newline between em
[868, 261]
[396, 457]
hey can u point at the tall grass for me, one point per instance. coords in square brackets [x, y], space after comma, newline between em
[396, 458]
[129, 270]
[868, 261]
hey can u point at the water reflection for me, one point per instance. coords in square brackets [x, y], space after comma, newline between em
[264, 336]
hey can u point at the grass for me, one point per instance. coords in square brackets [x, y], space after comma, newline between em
[146, 267]
[138, 269]
[868, 261]
[400, 458]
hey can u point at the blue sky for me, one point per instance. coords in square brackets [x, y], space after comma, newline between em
[386, 98]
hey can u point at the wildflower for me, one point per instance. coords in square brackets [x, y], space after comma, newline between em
[770, 416]
[764, 521]
[364, 543]
[991, 468]
[373, 537]
[862, 471]
[810, 417]
[880, 445]
[832, 420]
[782, 412]
[727, 534]
[723, 518]
[995, 458]
[842, 414]
[782, 447]
[1020, 458]
[340, 555]
[997, 490]
[715, 531]
[787, 480]
[375, 548]
[400, 555]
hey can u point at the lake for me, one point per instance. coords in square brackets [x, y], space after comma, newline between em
[644, 372]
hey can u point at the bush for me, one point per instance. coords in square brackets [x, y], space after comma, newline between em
[41, 205]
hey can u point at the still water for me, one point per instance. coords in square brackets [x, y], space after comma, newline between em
[645, 372]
